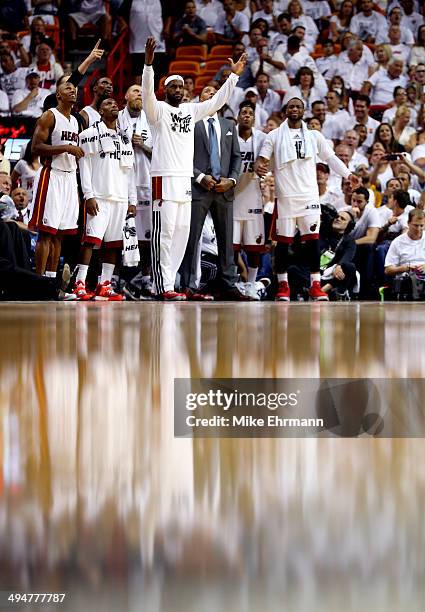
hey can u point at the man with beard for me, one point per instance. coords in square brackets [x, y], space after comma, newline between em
[101, 89]
[296, 150]
[107, 182]
[132, 119]
[172, 125]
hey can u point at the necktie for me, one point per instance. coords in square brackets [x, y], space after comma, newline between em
[214, 155]
[20, 217]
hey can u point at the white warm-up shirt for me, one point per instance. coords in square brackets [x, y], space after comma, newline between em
[173, 134]
[403, 250]
[102, 175]
[295, 181]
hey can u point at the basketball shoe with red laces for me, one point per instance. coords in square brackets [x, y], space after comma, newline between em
[316, 293]
[283, 292]
[105, 292]
[81, 293]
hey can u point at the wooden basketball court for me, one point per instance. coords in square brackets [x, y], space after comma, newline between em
[100, 501]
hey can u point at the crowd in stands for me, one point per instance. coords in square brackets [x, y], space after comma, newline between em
[358, 66]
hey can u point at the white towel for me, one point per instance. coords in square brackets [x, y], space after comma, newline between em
[285, 150]
[102, 142]
[142, 163]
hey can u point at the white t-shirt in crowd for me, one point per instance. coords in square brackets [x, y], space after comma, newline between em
[35, 105]
[383, 86]
[403, 250]
[364, 26]
[369, 218]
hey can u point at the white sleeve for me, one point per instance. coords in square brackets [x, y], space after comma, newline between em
[336, 165]
[373, 79]
[373, 219]
[267, 147]
[151, 106]
[354, 26]
[85, 165]
[132, 192]
[209, 107]
[17, 98]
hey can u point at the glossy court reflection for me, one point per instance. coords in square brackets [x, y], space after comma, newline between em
[98, 499]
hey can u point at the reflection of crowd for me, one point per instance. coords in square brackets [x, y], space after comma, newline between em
[358, 70]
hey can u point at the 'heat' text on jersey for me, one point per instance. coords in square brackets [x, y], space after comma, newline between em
[69, 136]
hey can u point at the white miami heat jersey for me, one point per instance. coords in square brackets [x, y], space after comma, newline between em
[92, 114]
[248, 200]
[65, 132]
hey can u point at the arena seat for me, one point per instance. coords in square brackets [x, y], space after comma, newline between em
[186, 67]
[221, 51]
[194, 52]
[212, 65]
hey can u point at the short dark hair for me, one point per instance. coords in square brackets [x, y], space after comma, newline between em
[282, 16]
[246, 104]
[293, 42]
[301, 71]
[362, 191]
[402, 198]
[262, 74]
[316, 102]
[363, 98]
[328, 41]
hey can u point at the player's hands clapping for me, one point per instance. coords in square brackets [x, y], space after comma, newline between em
[150, 50]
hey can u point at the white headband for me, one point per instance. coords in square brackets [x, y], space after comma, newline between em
[173, 77]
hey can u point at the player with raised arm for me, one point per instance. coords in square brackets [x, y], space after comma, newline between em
[295, 150]
[54, 208]
[172, 124]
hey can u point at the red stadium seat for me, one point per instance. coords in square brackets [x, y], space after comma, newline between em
[203, 80]
[221, 51]
[194, 52]
[184, 67]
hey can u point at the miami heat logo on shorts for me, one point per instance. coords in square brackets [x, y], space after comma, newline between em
[259, 239]
[313, 227]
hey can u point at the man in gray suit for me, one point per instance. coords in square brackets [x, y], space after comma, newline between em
[217, 162]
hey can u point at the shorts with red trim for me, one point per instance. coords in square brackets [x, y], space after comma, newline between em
[107, 226]
[284, 230]
[249, 233]
[54, 208]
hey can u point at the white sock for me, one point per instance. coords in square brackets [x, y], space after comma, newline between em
[50, 274]
[314, 277]
[252, 274]
[282, 277]
[107, 272]
[82, 273]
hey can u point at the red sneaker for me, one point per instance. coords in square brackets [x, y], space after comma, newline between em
[316, 293]
[283, 292]
[80, 291]
[105, 292]
[173, 296]
[195, 296]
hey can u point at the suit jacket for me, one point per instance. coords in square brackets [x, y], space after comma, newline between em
[230, 157]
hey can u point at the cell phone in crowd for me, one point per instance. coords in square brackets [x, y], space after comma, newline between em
[392, 157]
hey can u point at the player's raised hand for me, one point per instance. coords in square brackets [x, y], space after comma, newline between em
[150, 50]
[96, 53]
[239, 66]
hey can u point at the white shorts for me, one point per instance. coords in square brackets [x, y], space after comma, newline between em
[284, 230]
[82, 18]
[144, 221]
[249, 233]
[107, 226]
[54, 207]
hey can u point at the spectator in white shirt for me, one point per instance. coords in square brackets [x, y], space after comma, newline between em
[12, 78]
[272, 64]
[209, 10]
[394, 18]
[336, 119]
[267, 13]
[317, 9]
[232, 25]
[382, 84]
[284, 31]
[254, 36]
[367, 23]
[399, 99]
[407, 252]
[340, 23]
[361, 116]
[351, 139]
[410, 20]
[352, 67]
[398, 49]
[329, 59]
[28, 102]
[418, 50]
[297, 57]
[295, 9]
[268, 99]
[305, 89]
[364, 234]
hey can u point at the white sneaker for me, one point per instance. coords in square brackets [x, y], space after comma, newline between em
[251, 291]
